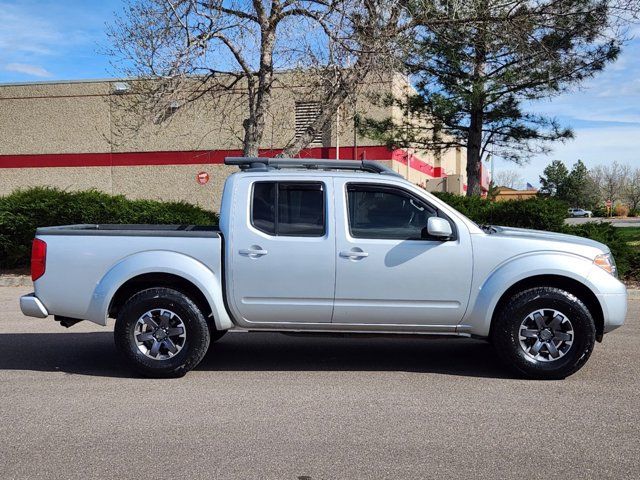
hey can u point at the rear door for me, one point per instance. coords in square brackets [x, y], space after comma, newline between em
[283, 252]
[388, 270]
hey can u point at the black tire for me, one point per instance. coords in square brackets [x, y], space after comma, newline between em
[505, 333]
[192, 349]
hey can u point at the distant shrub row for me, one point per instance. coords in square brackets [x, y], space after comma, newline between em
[537, 213]
[24, 210]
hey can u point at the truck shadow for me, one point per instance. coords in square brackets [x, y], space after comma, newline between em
[272, 351]
[94, 354]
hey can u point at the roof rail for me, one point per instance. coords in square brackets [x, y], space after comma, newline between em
[263, 164]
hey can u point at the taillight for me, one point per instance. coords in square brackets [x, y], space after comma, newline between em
[38, 259]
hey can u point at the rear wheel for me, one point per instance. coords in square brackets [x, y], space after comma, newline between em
[544, 333]
[161, 333]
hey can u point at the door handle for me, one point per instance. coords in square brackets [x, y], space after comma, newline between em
[258, 252]
[353, 254]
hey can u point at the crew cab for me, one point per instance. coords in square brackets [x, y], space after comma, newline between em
[326, 247]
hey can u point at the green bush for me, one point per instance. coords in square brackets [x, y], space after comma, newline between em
[536, 213]
[600, 211]
[24, 210]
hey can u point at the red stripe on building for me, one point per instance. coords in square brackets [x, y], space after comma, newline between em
[417, 164]
[206, 157]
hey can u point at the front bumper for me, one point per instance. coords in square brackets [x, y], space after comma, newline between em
[614, 309]
[31, 306]
[612, 296]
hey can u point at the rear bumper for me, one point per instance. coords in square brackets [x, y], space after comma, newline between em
[31, 306]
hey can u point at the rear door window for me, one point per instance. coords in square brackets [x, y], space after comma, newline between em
[289, 208]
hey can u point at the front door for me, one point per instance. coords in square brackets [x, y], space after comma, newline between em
[283, 253]
[388, 270]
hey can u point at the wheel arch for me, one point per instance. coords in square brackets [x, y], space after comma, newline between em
[140, 271]
[559, 269]
[153, 280]
[571, 285]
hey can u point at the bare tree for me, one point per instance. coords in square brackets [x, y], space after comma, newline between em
[632, 190]
[508, 178]
[226, 52]
[612, 180]
[182, 51]
[361, 37]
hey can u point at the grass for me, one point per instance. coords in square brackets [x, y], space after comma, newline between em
[631, 235]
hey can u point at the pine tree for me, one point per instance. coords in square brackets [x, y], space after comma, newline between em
[580, 190]
[554, 178]
[478, 64]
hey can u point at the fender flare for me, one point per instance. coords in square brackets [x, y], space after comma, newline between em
[148, 262]
[477, 320]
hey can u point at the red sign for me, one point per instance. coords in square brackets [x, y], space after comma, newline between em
[608, 203]
[202, 178]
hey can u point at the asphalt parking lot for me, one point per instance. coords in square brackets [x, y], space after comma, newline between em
[268, 406]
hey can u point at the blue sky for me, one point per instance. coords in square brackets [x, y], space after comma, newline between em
[54, 40]
[604, 114]
[60, 40]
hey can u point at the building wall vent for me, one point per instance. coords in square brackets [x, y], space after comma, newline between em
[306, 114]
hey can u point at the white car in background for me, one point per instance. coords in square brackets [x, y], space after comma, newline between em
[579, 212]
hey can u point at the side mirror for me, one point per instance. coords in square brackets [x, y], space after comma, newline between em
[439, 228]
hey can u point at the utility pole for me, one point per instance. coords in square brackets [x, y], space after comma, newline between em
[406, 124]
[355, 129]
[338, 134]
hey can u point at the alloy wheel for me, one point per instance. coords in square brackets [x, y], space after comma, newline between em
[160, 334]
[546, 335]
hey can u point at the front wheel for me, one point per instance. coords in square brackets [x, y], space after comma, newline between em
[544, 333]
[161, 333]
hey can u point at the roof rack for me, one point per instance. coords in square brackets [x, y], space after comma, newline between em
[264, 164]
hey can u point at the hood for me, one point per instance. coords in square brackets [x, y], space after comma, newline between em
[542, 235]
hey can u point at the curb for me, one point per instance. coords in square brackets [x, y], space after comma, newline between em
[15, 280]
[25, 281]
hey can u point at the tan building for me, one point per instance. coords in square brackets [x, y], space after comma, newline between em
[506, 193]
[75, 135]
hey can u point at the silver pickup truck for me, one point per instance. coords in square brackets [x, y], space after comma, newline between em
[329, 247]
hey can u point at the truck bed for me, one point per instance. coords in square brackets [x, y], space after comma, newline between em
[79, 257]
[135, 230]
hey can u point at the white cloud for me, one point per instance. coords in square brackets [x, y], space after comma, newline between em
[42, 36]
[23, 31]
[34, 70]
